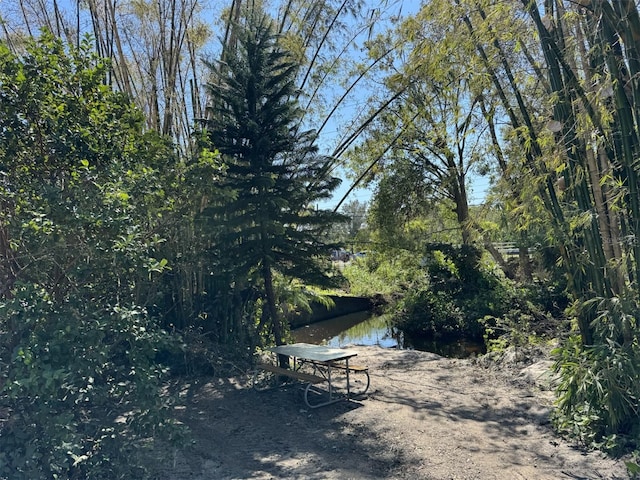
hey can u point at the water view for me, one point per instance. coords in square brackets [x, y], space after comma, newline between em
[364, 329]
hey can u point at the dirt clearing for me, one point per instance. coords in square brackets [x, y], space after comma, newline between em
[424, 417]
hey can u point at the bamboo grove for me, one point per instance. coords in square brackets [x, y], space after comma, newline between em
[560, 80]
[590, 54]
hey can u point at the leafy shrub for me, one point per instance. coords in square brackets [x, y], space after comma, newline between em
[427, 313]
[383, 274]
[203, 355]
[527, 319]
[81, 391]
[456, 293]
[599, 393]
[84, 196]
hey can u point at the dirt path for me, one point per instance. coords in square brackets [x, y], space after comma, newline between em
[425, 417]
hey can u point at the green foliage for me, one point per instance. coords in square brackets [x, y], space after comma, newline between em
[81, 389]
[534, 315]
[82, 198]
[80, 184]
[460, 291]
[272, 171]
[381, 273]
[599, 393]
[353, 232]
[634, 467]
[401, 197]
[295, 297]
[428, 313]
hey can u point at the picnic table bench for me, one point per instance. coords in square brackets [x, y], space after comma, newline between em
[324, 361]
[305, 377]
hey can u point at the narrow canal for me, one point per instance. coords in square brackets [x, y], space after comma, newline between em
[364, 329]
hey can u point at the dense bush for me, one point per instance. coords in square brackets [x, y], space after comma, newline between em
[533, 316]
[82, 196]
[382, 273]
[599, 392]
[427, 313]
[82, 392]
[458, 293]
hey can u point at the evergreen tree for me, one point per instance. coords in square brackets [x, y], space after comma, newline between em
[272, 169]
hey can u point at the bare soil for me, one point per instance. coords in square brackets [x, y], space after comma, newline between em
[424, 417]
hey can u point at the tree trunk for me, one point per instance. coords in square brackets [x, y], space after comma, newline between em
[276, 322]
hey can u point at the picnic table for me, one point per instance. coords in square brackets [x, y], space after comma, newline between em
[317, 366]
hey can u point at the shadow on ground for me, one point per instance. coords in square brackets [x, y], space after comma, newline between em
[240, 433]
[424, 418]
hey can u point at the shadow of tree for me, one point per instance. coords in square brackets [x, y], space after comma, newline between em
[240, 433]
[423, 418]
[480, 419]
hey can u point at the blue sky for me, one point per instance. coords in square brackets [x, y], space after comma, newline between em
[357, 107]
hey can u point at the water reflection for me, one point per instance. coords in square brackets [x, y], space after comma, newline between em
[356, 328]
[364, 329]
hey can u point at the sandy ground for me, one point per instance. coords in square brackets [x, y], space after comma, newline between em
[424, 417]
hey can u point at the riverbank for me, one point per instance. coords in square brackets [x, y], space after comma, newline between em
[426, 417]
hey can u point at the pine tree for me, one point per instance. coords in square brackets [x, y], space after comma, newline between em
[274, 173]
